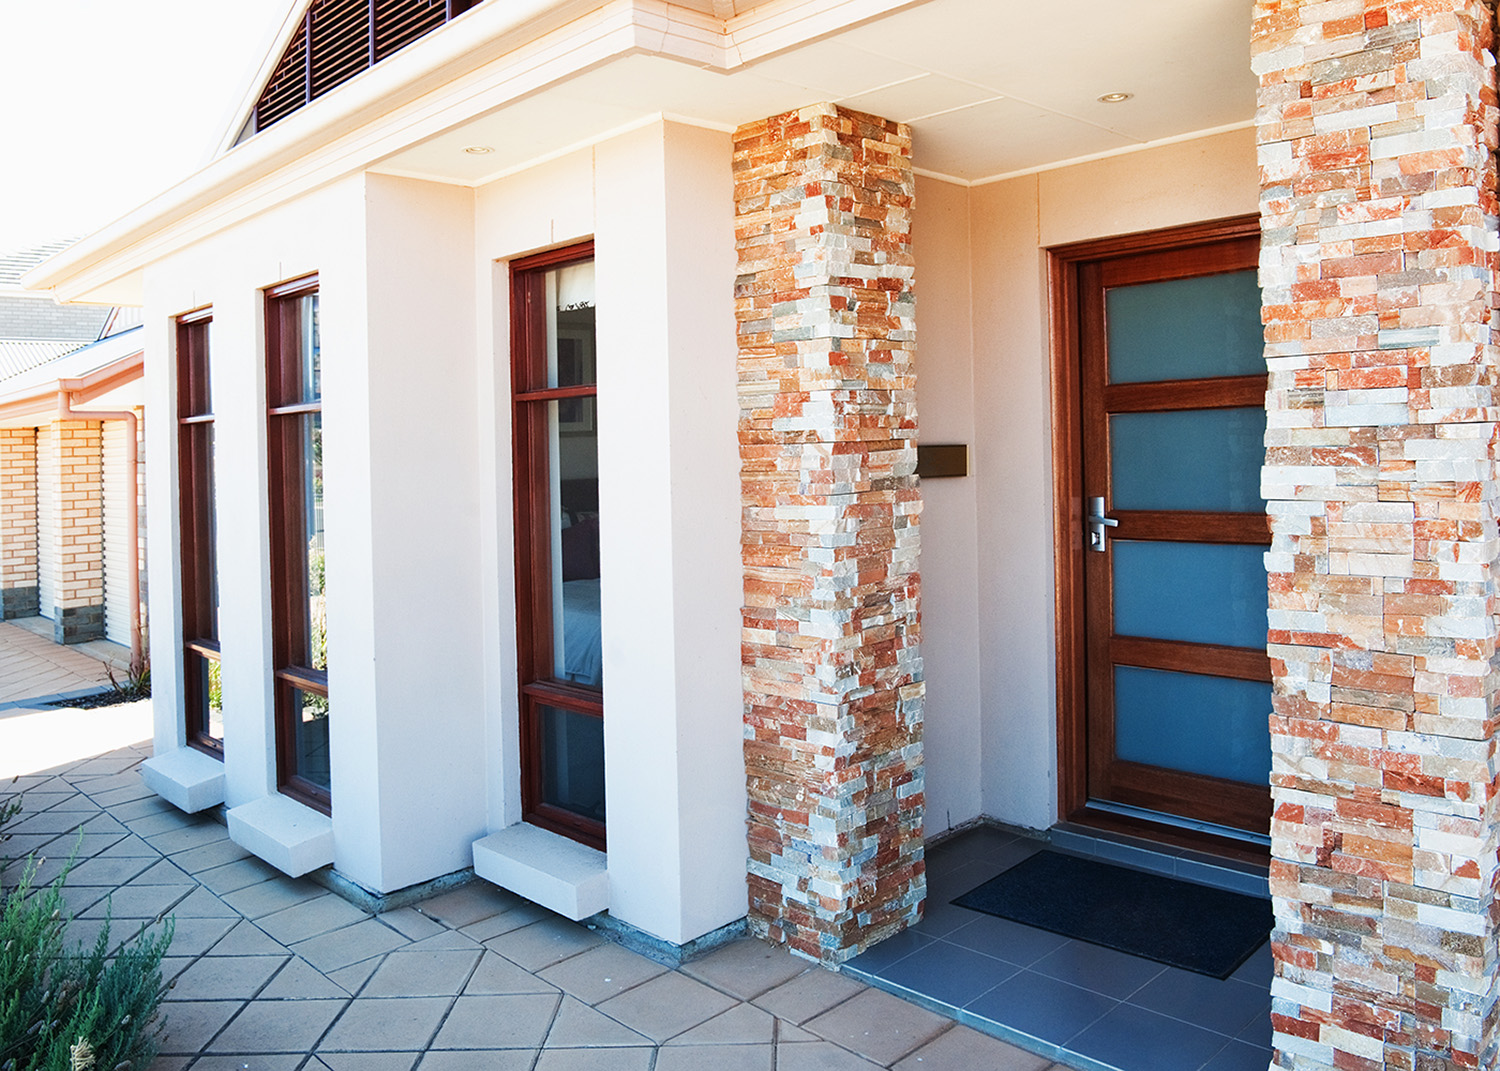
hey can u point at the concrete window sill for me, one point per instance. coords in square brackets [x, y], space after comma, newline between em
[560, 874]
[186, 778]
[292, 838]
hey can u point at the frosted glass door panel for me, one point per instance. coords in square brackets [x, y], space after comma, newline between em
[1214, 726]
[1188, 459]
[1185, 329]
[1198, 592]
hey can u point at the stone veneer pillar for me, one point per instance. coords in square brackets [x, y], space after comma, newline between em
[1377, 129]
[832, 670]
[78, 529]
[18, 581]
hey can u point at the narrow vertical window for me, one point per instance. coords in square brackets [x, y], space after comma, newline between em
[557, 543]
[294, 398]
[202, 699]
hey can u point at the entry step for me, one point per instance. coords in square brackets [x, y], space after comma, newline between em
[560, 874]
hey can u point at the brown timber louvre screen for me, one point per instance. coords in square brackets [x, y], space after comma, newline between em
[338, 39]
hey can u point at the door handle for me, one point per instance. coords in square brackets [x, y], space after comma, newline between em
[1097, 523]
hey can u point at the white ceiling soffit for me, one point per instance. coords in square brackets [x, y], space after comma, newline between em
[991, 88]
[979, 106]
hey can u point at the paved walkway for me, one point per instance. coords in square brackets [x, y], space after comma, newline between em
[275, 974]
[32, 666]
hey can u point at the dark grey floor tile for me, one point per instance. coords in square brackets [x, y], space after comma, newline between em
[876, 959]
[1042, 1007]
[1095, 967]
[943, 917]
[1004, 939]
[949, 973]
[1237, 1056]
[1258, 1030]
[1224, 1007]
[1126, 1032]
[1258, 969]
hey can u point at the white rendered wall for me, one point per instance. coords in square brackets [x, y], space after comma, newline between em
[400, 507]
[1005, 397]
[951, 731]
[658, 202]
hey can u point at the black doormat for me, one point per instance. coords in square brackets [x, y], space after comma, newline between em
[1195, 927]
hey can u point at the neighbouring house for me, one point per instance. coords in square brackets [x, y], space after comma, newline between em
[72, 515]
[615, 329]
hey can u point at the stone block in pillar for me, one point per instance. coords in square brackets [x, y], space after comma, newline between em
[78, 531]
[18, 579]
[1377, 135]
[832, 667]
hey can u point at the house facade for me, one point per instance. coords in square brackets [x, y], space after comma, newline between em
[552, 343]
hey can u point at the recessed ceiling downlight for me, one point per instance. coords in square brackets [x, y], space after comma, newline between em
[1115, 98]
[478, 150]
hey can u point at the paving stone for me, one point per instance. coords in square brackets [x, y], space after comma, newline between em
[878, 1026]
[228, 977]
[107, 871]
[349, 944]
[138, 807]
[210, 855]
[601, 972]
[744, 1024]
[479, 1060]
[497, 975]
[193, 937]
[203, 904]
[304, 920]
[191, 1024]
[543, 943]
[255, 1062]
[198, 835]
[962, 1049]
[410, 973]
[245, 938]
[367, 1061]
[667, 1005]
[721, 1058]
[808, 995]
[162, 872]
[299, 980]
[411, 923]
[129, 846]
[447, 941]
[239, 874]
[511, 1021]
[746, 968]
[468, 904]
[354, 976]
[579, 1026]
[275, 894]
[278, 1026]
[522, 915]
[819, 1056]
[141, 901]
[391, 1023]
[595, 1060]
[161, 821]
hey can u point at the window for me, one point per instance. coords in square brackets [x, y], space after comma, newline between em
[294, 448]
[557, 543]
[202, 703]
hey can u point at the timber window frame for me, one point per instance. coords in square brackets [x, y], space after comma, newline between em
[550, 702]
[198, 532]
[293, 456]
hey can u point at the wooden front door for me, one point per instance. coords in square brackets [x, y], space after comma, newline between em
[1165, 690]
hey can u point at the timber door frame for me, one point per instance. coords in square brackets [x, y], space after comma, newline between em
[1064, 270]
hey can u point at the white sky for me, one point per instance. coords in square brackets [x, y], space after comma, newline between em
[106, 103]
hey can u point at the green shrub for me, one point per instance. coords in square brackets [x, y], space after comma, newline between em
[73, 1010]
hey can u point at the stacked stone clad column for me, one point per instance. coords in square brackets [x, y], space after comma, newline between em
[1377, 128]
[832, 669]
[18, 580]
[79, 531]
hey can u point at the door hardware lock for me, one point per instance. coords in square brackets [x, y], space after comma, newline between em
[1097, 523]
